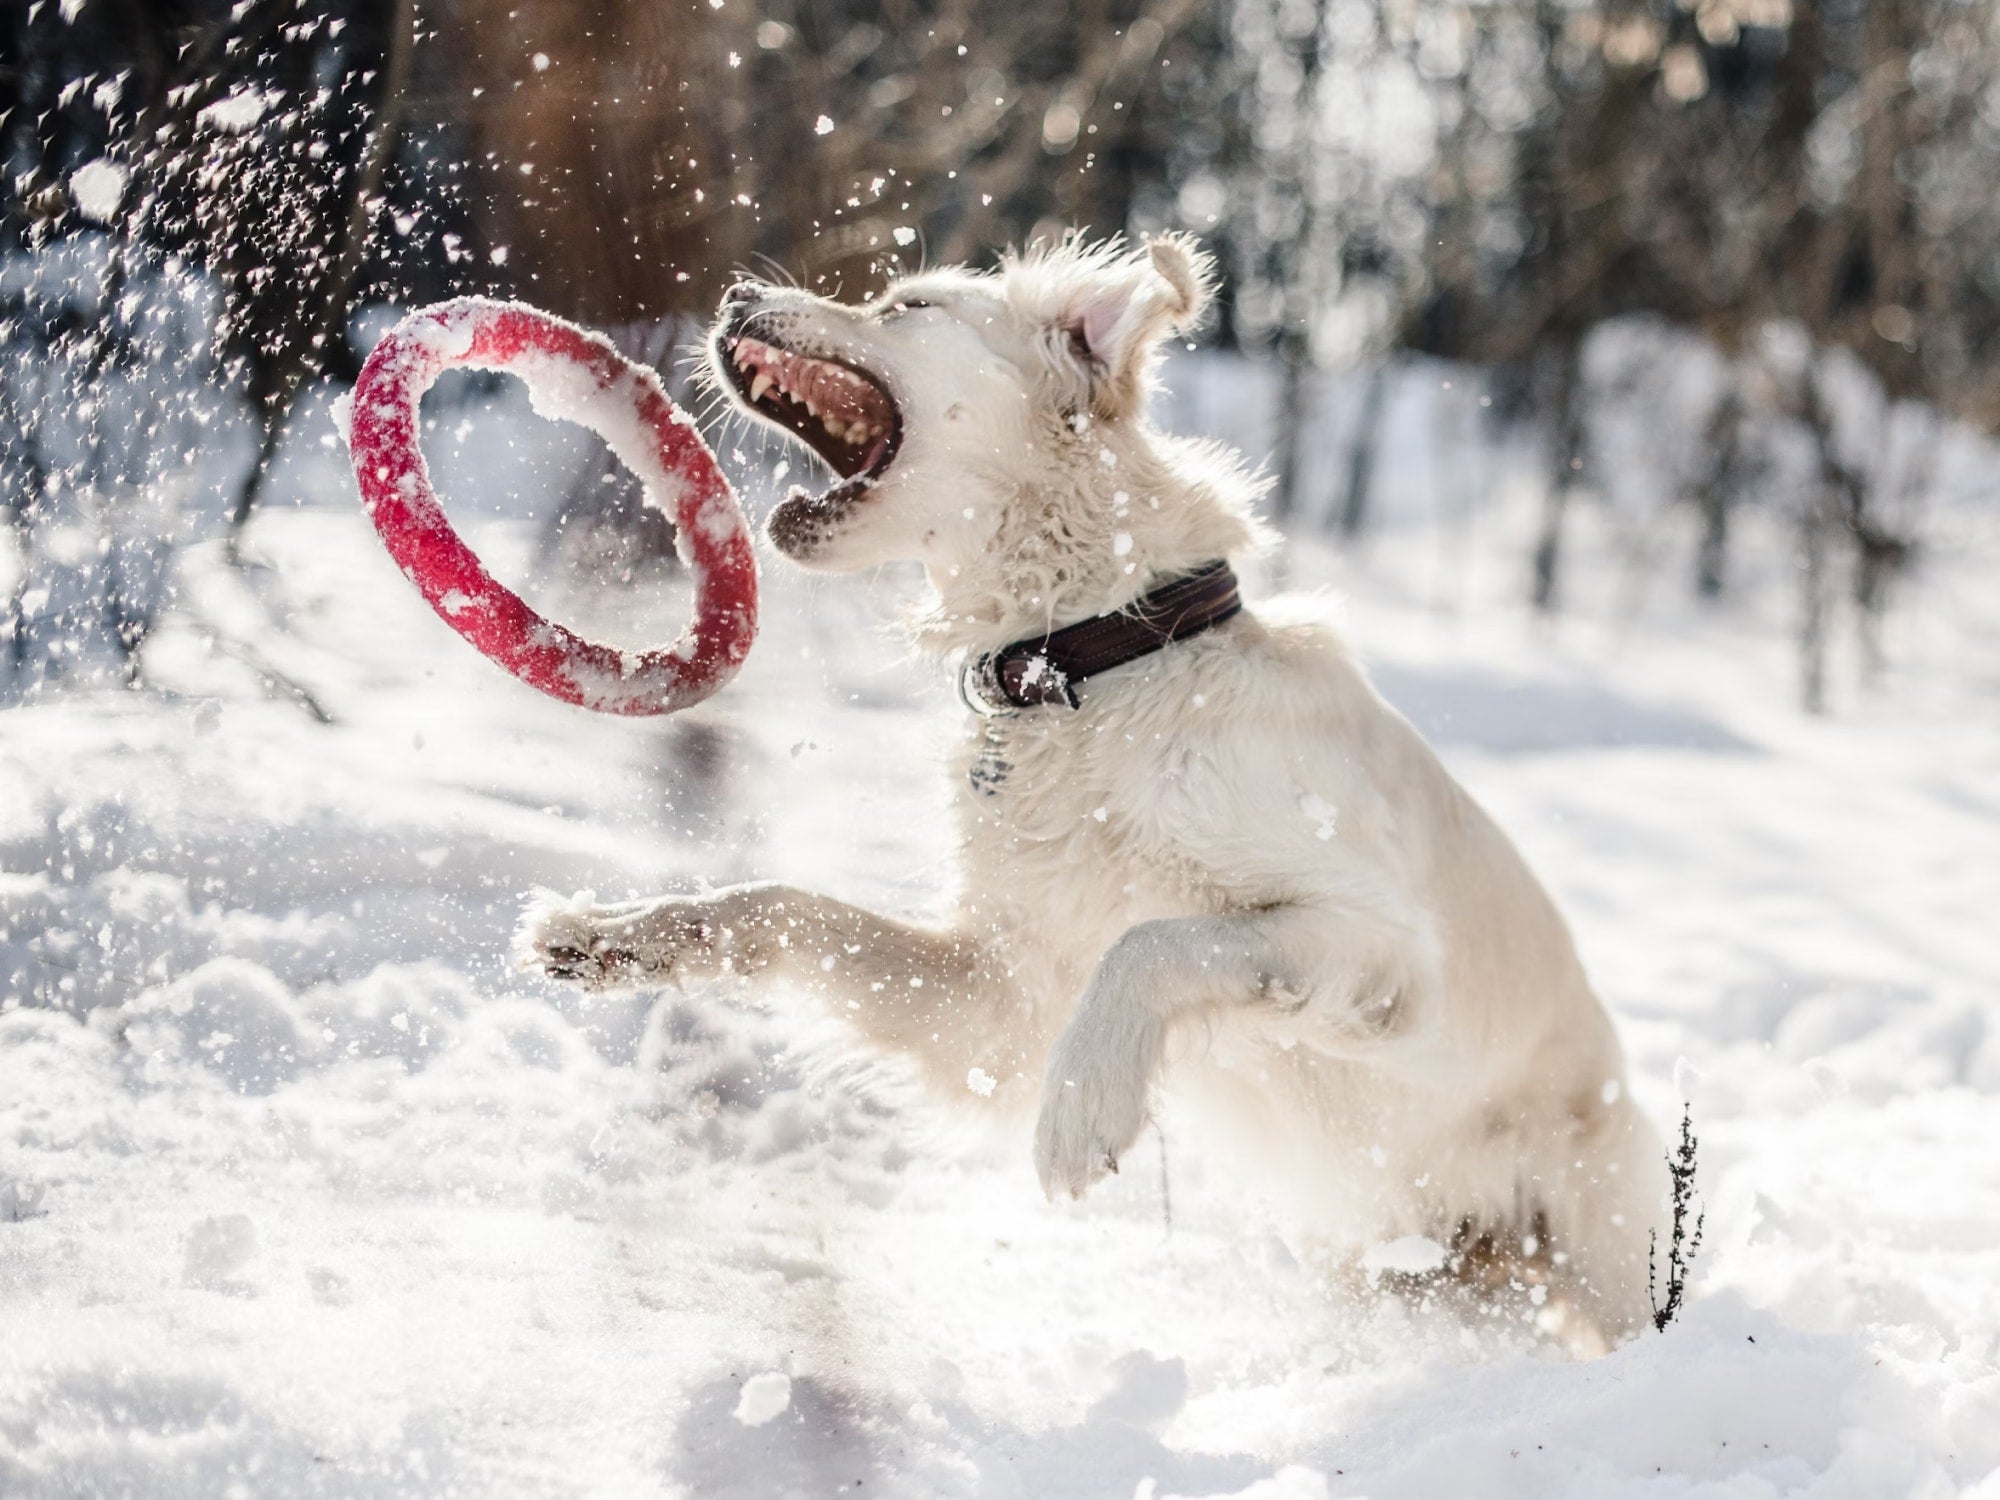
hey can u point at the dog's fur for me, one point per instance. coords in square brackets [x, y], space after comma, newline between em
[1233, 855]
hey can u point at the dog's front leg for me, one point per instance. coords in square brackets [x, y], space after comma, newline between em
[1099, 1080]
[935, 992]
[1359, 974]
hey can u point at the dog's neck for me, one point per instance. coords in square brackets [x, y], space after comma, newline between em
[1120, 510]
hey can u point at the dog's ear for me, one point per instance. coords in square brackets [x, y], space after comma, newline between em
[1117, 318]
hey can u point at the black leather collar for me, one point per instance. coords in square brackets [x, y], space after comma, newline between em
[1046, 669]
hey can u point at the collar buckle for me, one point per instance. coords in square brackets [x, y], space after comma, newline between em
[980, 689]
[1034, 672]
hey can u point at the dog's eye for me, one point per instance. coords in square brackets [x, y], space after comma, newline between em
[903, 305]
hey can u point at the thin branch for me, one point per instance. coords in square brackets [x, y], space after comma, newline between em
[1684, 1239]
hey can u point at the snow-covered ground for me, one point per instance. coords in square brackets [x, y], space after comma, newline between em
[303, 1192]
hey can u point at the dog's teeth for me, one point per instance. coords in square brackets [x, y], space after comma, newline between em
[760, 385]
[834, 427]
[859, 432]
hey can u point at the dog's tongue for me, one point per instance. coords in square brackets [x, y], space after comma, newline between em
[847, 398]
[862, 478]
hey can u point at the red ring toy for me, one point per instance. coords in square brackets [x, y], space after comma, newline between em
[577, 376]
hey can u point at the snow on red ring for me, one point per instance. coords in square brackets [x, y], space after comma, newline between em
[575, 376]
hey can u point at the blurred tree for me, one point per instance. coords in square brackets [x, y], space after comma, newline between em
[600, 140]
[1511, 176]
[634, 156]
[233, 164]
[264, 141]
[1491, 182]
[631, 158]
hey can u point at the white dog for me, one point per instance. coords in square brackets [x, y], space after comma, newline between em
[1230, 842]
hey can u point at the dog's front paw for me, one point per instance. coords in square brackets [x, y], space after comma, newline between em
[1094, 1104]
[598, 947]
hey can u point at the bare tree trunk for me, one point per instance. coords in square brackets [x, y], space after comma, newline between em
[1294, 397]
[1879, 555]
[1837, 497]
[1361, 455]
[1568, 455]
[1295, 272]
[1815, 525]
[1725, 442]
[1846, 504]
[29, 476]
[1884, 547]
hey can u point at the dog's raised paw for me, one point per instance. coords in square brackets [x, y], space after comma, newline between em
[569, 938]
[1093, 1108]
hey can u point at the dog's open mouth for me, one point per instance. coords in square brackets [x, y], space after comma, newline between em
[843, 414]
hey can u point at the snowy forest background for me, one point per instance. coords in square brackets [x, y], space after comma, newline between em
[1630, 370]
[1771, 234]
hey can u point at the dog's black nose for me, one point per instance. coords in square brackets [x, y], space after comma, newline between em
[737, 309]
[738, 305]
[741, 295]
